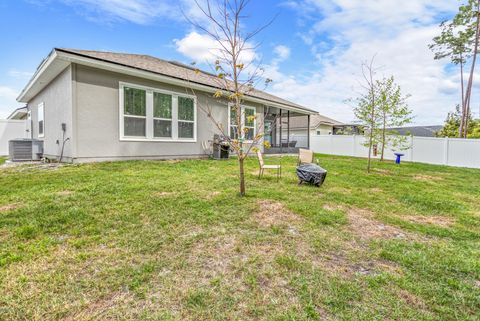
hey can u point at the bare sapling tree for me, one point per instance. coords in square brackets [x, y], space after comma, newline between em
[366, 109]
[236, 75]
[393, 111]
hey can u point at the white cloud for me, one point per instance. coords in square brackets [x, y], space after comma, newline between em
[136, 11]
[20, 74]
[7, 101]
[355, 31]
[282, 52]
[201, 48]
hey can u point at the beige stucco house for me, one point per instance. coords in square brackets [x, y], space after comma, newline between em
[319, 125]
[116, 106]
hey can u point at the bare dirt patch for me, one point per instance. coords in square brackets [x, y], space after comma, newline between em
[364, 226]
[9, 207]
[442, 221]
[476, 284]
[411, 299]
[272, 213]
[422, 177]
[100, 307]
[341, 264]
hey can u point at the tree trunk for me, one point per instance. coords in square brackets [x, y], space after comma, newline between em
[460, 130]
[242, 175]
[470, 80]
[384, 128]
[370, 151]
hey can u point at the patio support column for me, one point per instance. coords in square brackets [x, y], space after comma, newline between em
[288, 130]
[281, 148]
[308, 131]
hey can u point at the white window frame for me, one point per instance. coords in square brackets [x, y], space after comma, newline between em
[149, 115]
[242, 108]
[42, 106]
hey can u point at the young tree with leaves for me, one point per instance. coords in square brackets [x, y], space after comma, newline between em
[452, 123]
[366, 109]
[393, 111]
[236, 76]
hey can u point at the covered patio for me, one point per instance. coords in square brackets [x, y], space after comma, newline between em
[286, 130]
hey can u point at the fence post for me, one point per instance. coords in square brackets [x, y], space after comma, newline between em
[445, 151]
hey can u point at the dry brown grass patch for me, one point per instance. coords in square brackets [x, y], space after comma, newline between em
[422, 177]
[442, 221]
[339, 263]
[163, 194]
[382, 171]
[99, 308]
[272, 213]
[411, 299]
[364, 226]
[331, 207]
[9, 207]
[64, 193]
[212, 195]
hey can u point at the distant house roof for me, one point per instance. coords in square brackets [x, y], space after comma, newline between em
[315, 121]
[421, 131]
[144, 63]
[19, 113]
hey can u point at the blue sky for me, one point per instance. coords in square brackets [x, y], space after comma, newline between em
[312, 51]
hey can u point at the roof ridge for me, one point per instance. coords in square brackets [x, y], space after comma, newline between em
[151, 66]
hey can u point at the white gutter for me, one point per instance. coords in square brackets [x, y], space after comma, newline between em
[40, 70]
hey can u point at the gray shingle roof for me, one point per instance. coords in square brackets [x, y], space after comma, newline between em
[315, 121]
[171, 69]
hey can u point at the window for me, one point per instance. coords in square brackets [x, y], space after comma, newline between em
[135, 112]
[186, 117]
[153, 114]
[41, 120]
[318, 132]
[162, 115]
[248, 122]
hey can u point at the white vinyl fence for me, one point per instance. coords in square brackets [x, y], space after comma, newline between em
[11, 129]
[442, 151]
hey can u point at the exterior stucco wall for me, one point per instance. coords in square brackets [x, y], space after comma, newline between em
[57, 100]
[324, 130]
[97, 112]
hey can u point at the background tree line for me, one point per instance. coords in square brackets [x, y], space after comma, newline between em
[459, 42]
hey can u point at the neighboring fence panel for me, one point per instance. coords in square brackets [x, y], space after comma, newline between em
[11, 129]
[443, 151]
[428, 150]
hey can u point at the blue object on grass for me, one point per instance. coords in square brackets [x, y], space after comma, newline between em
[399, 155]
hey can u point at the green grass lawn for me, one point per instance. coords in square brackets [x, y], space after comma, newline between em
[150, 240]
